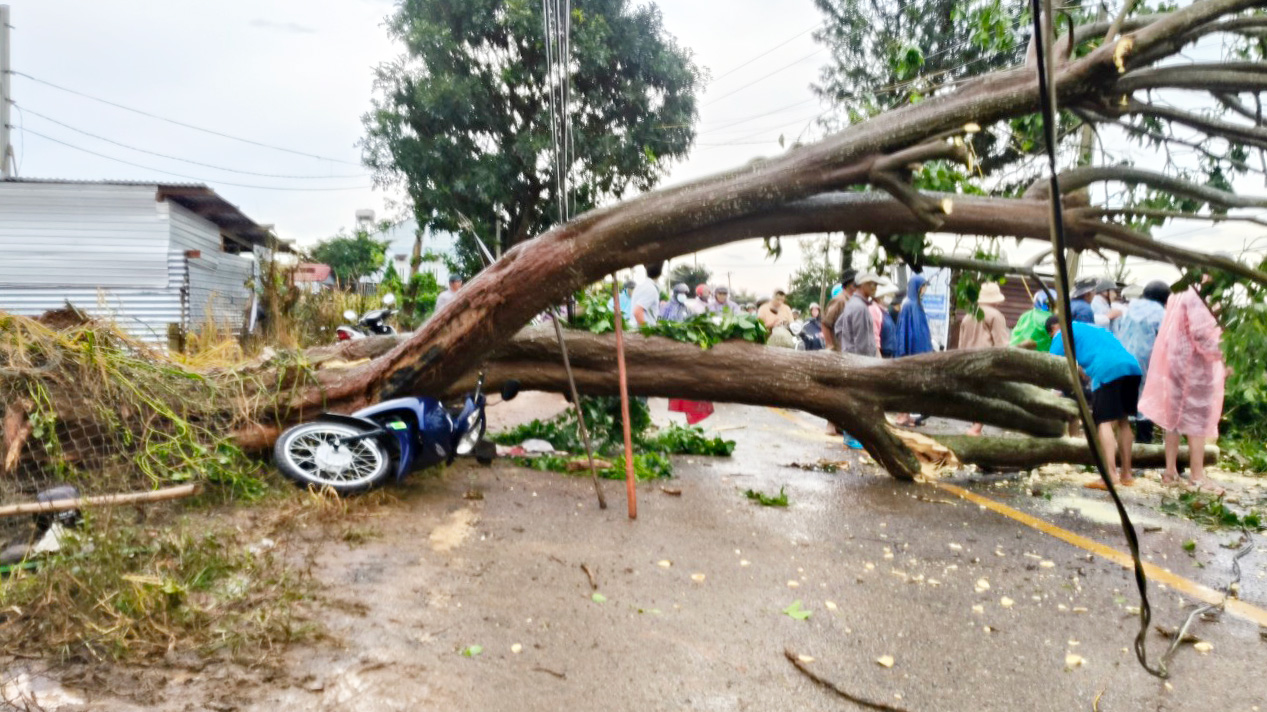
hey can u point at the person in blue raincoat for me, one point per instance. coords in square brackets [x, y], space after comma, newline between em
[913, 334]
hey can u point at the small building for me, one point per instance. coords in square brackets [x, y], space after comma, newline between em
[158, 258]
[400, 239]
[313, 277]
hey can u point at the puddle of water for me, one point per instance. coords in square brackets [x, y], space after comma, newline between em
[1098, 511]
[455, 529]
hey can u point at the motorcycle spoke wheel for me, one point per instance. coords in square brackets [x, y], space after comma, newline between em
[313, 454]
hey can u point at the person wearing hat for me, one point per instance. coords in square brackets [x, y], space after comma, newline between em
[1115, 377]
[443, 298]
[913, 334]
[884, 317]
[985, 328]
[812, 330]
[854, 330]
[777, 317]
[677, 308]
[1080, 300]
[721, 301]
[839, 298]
[1030, 332]
[1106, 315]
[1138, 333]
[699, 305]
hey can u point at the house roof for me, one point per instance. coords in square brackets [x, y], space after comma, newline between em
[312, 272]
[198, 199]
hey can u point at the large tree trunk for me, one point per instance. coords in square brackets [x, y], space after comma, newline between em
[806, 189]
[1027, 453]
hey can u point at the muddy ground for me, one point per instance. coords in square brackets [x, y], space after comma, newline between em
[976, 610]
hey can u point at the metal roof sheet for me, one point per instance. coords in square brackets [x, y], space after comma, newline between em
[197, 198]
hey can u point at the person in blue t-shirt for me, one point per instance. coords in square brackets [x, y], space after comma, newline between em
[1115, 377]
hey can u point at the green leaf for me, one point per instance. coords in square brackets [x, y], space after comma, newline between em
[473, 651]
[766, 500]
[598, 598]
[1190, 546]
[795, 612]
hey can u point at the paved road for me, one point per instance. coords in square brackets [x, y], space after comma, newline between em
[976, 610]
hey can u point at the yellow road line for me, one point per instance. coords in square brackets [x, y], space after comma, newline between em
[1189, 587]
[1156, 573]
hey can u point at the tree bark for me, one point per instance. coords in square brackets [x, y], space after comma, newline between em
[1027, 453]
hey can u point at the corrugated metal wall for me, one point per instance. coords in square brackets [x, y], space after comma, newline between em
[217, 279]
[142, 313]
[116, 252]
[82, 235]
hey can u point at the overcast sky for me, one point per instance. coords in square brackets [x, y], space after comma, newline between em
[298, 75]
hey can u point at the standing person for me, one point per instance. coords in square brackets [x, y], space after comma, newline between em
[1115, 377]
[443, 298]
[913, 335]
[1030, 332]
[646, 296]
[888, 327]
[722, 303]
[812, 329]
[677, 309]
[1184, 392]
[854, 331]
[1138, 333]
[700, 304]
[877, 312]
[1080, 300]
[839, 298]
[626, 302]
[989, 331]
[1102, 306]
[777, 317]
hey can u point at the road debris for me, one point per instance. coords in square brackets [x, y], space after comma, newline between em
[795, 659]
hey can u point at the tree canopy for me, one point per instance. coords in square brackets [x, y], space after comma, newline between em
[463, 118]
[351, 256]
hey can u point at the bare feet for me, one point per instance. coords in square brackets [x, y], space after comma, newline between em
[1207, 487]
[975, 430]
[1171, 479]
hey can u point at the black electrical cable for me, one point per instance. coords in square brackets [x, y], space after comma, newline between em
[1046, 103]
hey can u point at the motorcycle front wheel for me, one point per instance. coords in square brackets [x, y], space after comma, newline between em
[311, 455]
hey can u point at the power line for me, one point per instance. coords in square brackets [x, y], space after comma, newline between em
[181, 123]
[182, 175]
[815, 53]
[798, 35]
[185, 160]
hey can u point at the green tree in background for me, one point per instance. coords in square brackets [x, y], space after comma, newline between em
[463, 118]
[692, 274]
[351, 256]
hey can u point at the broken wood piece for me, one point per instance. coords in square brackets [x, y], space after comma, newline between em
[675, 491]
[548, 671]
[583, 464]
[17, 427]
[106, 500]
[593, 579]
[800, 665]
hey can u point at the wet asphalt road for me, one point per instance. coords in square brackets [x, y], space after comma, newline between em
[977, 611]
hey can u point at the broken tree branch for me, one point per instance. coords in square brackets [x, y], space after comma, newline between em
[841, 692]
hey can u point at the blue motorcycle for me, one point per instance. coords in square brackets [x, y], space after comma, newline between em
[358, 452]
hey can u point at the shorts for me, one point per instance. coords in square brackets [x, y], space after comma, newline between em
[1115, 400]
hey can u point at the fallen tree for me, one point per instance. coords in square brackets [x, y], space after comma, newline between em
[860, 179]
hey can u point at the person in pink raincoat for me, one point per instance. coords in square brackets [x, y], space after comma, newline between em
[1184, 389]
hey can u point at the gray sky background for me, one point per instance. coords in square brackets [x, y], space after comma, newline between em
[298, 74]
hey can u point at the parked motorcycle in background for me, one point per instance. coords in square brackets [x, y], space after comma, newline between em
[358, 452]
[373, 322]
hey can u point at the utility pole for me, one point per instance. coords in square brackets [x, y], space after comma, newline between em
[7, 161]
[497, 229]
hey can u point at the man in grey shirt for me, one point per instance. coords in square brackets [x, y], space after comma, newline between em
[854, 331]
[646, 297]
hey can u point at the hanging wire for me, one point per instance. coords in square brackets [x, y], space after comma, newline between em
[1047, 102]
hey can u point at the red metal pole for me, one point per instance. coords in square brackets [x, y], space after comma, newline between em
[631, 480]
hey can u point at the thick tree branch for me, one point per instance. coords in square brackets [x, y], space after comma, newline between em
[1251, 135]
[1233, 77]
[1174, 215]
[1083, 176]
[1005, 453]
[1123, 239]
